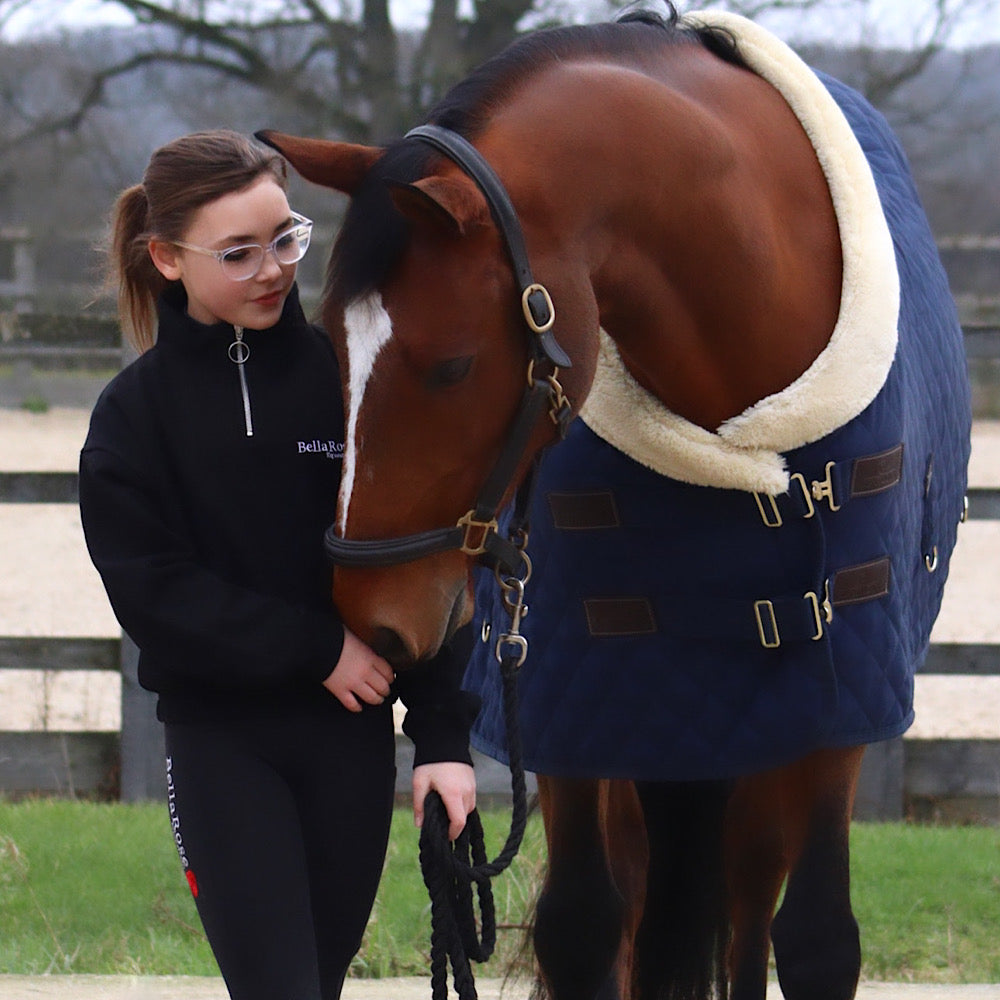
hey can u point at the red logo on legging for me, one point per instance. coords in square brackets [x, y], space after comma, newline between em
[192, 882]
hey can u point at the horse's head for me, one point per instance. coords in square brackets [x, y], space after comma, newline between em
[435, 345]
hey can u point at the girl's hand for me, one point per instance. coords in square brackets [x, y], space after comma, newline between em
[361, 675]
[455, 783]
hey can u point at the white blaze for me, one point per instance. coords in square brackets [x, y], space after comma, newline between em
[368, 327]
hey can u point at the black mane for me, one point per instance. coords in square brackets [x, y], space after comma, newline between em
[374, 235]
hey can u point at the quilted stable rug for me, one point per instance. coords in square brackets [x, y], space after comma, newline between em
[708, 604]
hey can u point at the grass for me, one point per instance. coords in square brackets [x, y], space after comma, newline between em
[86, 887]
[928, 902]
[96, 888]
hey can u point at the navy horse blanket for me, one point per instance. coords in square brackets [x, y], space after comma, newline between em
[706, 605]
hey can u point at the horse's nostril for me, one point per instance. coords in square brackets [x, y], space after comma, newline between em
[390, 646]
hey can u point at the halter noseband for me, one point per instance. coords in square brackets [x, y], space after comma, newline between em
[475, 532]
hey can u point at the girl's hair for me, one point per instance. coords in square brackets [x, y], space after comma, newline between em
[182, 176]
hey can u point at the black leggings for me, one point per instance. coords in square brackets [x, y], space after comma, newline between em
[282, 825]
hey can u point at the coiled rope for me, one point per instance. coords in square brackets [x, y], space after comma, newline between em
[450, 869]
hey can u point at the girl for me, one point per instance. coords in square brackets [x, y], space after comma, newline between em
[207, 479]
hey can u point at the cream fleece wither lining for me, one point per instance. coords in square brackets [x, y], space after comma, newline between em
[745, 452]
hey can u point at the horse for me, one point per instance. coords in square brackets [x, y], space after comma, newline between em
[660, 250]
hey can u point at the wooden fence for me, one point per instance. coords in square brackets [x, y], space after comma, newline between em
[953, 779]
[17, 268]
[921, 778]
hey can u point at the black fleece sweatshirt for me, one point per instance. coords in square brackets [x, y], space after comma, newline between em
[209, 539]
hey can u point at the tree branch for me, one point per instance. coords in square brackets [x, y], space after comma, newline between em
[95, 92]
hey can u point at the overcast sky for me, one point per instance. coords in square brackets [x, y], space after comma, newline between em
[894, 22]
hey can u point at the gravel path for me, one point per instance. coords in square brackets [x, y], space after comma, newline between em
[203, 988]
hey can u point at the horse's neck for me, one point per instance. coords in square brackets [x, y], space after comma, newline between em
[698, 205]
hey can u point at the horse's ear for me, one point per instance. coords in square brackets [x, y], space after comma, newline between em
[338, 165]
[455, 204]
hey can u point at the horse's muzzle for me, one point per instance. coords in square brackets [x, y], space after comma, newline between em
[390, 645]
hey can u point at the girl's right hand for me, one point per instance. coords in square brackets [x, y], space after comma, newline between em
[361, 675]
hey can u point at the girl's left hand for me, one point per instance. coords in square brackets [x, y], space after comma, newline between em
[455, 783]
[360, 676]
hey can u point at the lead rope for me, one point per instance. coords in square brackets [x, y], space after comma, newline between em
[449, 870]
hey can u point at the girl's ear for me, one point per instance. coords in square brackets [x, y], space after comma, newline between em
[164, 257]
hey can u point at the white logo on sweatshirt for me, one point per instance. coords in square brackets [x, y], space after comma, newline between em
[329, 449]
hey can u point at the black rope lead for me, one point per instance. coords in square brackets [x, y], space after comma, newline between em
[450, 869]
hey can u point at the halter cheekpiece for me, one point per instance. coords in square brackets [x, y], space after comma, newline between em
[475, 533]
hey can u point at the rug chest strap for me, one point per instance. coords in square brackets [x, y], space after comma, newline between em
[769, 621]
[840, 483]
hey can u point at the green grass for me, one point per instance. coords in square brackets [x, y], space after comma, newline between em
[87, 887]
[928, 902]
[97, 888]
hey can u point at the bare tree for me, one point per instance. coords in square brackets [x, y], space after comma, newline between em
[343, 68]
[344, 74]
[451, 46]
[355, 76]
[914, 33]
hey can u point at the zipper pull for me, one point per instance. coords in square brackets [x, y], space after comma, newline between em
[239, 351]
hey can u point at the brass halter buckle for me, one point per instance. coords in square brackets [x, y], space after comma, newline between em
[529, 318]
[470, 524]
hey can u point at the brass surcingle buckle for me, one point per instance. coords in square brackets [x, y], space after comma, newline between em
[767, 624]
[822, 610]
[800, 481]
[822, 489]
[768, 505]
[770, 514]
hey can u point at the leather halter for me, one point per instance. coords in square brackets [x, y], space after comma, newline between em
[475, 533]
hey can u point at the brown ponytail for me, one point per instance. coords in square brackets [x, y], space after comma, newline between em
[181, 177]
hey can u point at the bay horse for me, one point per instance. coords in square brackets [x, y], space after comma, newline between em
[674, 229]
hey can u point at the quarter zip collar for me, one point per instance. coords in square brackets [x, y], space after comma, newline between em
[178, 331]
[239, 354]
[230, 344]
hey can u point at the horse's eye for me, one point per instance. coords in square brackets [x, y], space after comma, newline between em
[450, 372]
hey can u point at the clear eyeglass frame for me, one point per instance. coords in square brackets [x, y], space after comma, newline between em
[241, 263]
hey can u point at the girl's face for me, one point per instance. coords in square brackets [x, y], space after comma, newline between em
[254, 215]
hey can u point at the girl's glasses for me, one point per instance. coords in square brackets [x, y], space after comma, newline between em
[243, 262]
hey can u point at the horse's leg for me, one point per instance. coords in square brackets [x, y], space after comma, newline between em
[681, 943]
[580, 912]
[755, 869]
[626, 847]
[816, 944]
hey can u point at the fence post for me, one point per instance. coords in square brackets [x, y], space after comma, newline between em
[879, 795]
[18, 280]
[142, 746]
[24, 276]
